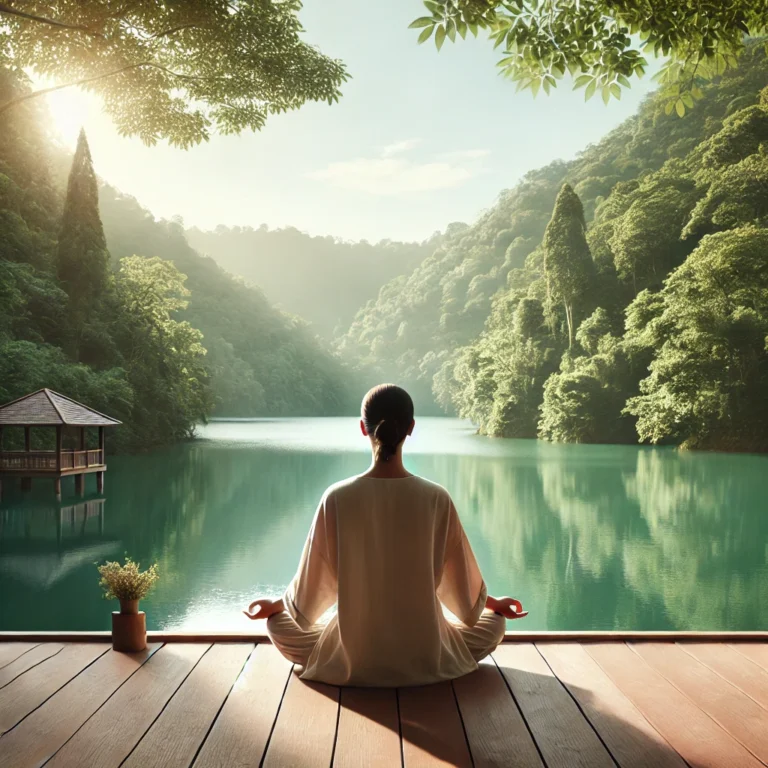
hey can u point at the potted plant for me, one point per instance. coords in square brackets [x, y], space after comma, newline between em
[127, 584]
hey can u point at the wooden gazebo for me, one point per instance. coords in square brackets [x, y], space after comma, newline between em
[46, 408]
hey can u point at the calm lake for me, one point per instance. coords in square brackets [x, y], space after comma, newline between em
[588, 537]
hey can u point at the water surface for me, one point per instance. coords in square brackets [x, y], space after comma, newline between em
[588, 537]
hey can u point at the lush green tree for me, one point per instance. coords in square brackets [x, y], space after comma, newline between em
[568, 266]
[163, 356]
[172, 71]
[603, 43]
[709, 375]
[82, 258]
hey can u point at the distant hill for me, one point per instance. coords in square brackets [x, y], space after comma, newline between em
[323, 279]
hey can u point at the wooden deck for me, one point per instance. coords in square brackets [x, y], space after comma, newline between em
[560, 703]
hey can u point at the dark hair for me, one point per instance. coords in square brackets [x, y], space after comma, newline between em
[387, 413]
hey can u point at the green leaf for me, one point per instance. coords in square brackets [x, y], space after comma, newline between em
[535, 85]
[461, 26]
[450, 30]
[697, 93]
[424, 21]
[624, 81]
[473, 29]
[434, 7]
[546, 85]
[615, 91]
[590, 92]
[679, 108]
[687, 100]
[668, 107]
[582, 80]
[440, 37]
[426, 34]
[606, 94]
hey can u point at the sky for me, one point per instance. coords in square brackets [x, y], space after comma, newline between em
[419, 139]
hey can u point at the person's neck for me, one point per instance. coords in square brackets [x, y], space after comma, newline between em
[384, 469]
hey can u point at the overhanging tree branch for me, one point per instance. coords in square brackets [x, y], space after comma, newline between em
[28, 96]
[7, 9]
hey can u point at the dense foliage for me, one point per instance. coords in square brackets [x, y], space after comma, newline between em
[171, 70]
[153, 334]
[323, 279]
[654, 326]
[602, 42]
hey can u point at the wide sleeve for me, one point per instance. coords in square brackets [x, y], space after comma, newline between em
[314, 588]
[462, 589]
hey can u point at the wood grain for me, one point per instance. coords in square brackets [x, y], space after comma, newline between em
[565, 738]
[241, 732]
[495, 728]
[368, 731]
[697, 738]
[756, 652]
[305, 730]
[38, 736]
[11, 651]
[632, 740]
[31, 689]
[431, 728]
[27, 661]
[737, 669]
[175, 737]
[733, 710]
[108, 737]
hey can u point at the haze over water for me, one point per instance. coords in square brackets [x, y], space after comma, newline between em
[589, 537]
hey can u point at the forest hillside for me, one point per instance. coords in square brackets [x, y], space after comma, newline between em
[124, 315]
[620, 296]
[324, 279]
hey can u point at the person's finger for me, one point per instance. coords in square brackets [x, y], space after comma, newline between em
[520, 615]
[256, 604]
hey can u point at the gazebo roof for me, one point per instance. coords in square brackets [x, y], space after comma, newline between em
[50, 409]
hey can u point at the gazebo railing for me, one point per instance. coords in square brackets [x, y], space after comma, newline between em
[20, 461]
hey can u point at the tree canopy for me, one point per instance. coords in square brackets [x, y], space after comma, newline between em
[604, 43]
[172, 71]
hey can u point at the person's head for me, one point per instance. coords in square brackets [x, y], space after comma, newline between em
[387, 419]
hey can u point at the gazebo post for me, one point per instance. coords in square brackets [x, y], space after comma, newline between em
[1, 450]
[57, 479]
[26, 482]
[100, 475]
[80, 479]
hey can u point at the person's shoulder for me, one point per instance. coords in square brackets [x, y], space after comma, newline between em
[431, 488]
[340, 488]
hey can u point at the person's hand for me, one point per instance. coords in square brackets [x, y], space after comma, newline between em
[263, 609]
[508, 607]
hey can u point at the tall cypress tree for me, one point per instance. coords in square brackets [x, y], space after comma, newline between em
[82, 255]
[568, 264]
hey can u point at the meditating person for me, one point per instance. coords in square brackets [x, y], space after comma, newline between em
[388, 548]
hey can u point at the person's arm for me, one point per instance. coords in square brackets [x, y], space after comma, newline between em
[314, 588]
[507, 607]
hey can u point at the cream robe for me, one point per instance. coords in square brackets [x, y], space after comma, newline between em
[388, 552]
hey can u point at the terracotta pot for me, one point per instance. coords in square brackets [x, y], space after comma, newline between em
[129, 606]
[129, 630]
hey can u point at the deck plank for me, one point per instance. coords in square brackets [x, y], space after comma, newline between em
[175, 737]
[498, 736]
[698, 739]
[432, 732]
[733, 710]
[38, 736]
[737, 669]
[11, 651]
[31, 689]
[108, 737]
[241, 732]
[632, 740]
[369, 730]
[756, 652]
[565, 738]
[305, 730]
[28, 661]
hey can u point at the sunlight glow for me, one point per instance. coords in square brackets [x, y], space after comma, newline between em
[72, 109]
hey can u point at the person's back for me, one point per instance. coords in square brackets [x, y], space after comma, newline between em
[389, 549]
